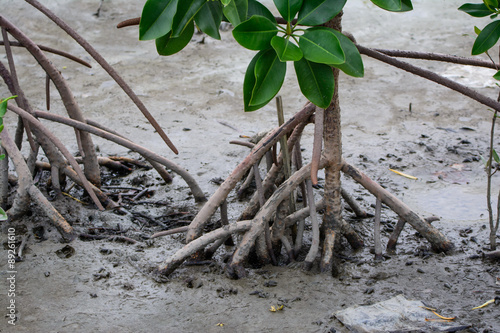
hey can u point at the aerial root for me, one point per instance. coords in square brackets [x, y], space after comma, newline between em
[253, 228]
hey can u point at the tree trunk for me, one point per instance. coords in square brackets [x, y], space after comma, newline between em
[333, 153]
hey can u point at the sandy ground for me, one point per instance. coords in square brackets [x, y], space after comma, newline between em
[390, 120]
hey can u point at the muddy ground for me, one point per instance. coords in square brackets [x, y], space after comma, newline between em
[390, 120]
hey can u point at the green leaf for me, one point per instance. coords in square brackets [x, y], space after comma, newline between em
[316, 12]
[487, 38]
[394, 5]
[495, 156]
[286, 50]
[255, 33]
[497, 76]
[269, 76]
[321, 45]
[3, 215]
[225, 2]
[156, 18]
[492, 4]
[236, 11]
[209, 17]
[477, 30]
[316, 81]
[353, 64]
[1, 158]
[168, 45]
[249, 84]
[475, 9]
[288, 8]
[256, 8]
[3, 105]
[186, 11]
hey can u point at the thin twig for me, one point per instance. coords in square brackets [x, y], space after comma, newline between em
[317, 145]
[20, 99]
[429, 75]
[376, 231]
[491, 219]
[313, 251]
[169, 232]
[242, 143]
[54, 51]
[129, 22]
[439, 57]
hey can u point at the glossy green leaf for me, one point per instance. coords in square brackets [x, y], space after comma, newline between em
[225, 2]
[497, 76]
[316, 81]
[186, 11]
[288, 8]
[269, 76]
[486, 38]
[492, 4]
[285, 49]
[394, 5]
[256, 8]
[249, 84]
[168, 45]
[3, 215]
[316, 12]
[495, 156]
[255, 33]
[236, 11]
[475, 9]
[322, 46]
[353, 64]
[209, 17]
[3, 110]
[3, 105]
[156, 18]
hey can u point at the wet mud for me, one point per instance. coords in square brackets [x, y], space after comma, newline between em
[102, 281]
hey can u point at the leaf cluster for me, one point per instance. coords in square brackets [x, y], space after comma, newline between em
[489, 35]
[312, 48]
